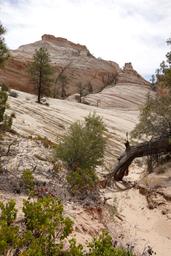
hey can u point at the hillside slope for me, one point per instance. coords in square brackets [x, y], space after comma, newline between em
[126, 213]
[74, 61]
[53, 120]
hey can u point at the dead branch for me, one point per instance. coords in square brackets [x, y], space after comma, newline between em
[160, 145]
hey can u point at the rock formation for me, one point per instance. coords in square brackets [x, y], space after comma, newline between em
[129, 75]
[74, 61]
[122, 95]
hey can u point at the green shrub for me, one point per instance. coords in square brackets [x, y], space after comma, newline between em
[3, 100]
[4, 87]
[83, 147]
[74, 249]
[46, 226]
[103, 246]
[5, 121]
[154, 120]
[44, 230]
[81, 180]
[28, 180]
[8, 212]
[8, 232]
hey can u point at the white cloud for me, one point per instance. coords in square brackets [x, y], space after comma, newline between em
[119, 30]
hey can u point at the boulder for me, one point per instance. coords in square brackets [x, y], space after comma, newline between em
[74, 97]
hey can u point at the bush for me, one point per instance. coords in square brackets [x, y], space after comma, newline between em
[5, 120]
[4, 87]
[103, 246]
[154, 118]
[8, 212]
[46, 226]
[7, 123]
[3, 100]
[81, 180]
[44, 230]
[83, 149]
[28, 180]
[8, 232]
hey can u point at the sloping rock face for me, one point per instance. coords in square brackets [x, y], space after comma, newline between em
[52, 121]
[122, 95]
[73, 61]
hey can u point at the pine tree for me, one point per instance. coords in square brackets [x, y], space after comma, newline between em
[155, 117]
[3, 49]
[41, 72]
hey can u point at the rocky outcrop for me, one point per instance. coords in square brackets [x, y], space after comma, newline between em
[52, 121]
[73, 61]
[122, 95]
[62, 42]
[129, 75]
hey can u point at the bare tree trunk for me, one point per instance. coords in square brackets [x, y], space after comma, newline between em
[160, 145]
[39, 87]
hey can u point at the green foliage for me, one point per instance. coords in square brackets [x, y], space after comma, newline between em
[8, 212]
[8, 238]
[4, 54]
[8, 232]
[83, 147]
[81, 180]
[155, 118]
[103, 246]
[28, 180]
[45, 225]
[5, 120]
[74, 249]
[3, 101]
[41, 72]
[44, 230]
[163, 74]
[4, 87]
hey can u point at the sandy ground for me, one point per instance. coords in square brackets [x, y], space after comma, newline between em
[140, 225]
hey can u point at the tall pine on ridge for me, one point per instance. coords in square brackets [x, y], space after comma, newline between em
[41, 72]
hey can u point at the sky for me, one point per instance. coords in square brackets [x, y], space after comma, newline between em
[119, 30]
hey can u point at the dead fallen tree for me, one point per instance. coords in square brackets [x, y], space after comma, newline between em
[158, 146]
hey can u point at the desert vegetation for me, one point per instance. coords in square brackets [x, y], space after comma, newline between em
[5, 120]
[43, 231]
[155, 116]
[41, 72]
[82, 148]
[4, 53]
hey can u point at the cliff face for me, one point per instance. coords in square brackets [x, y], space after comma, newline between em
[73, 61]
